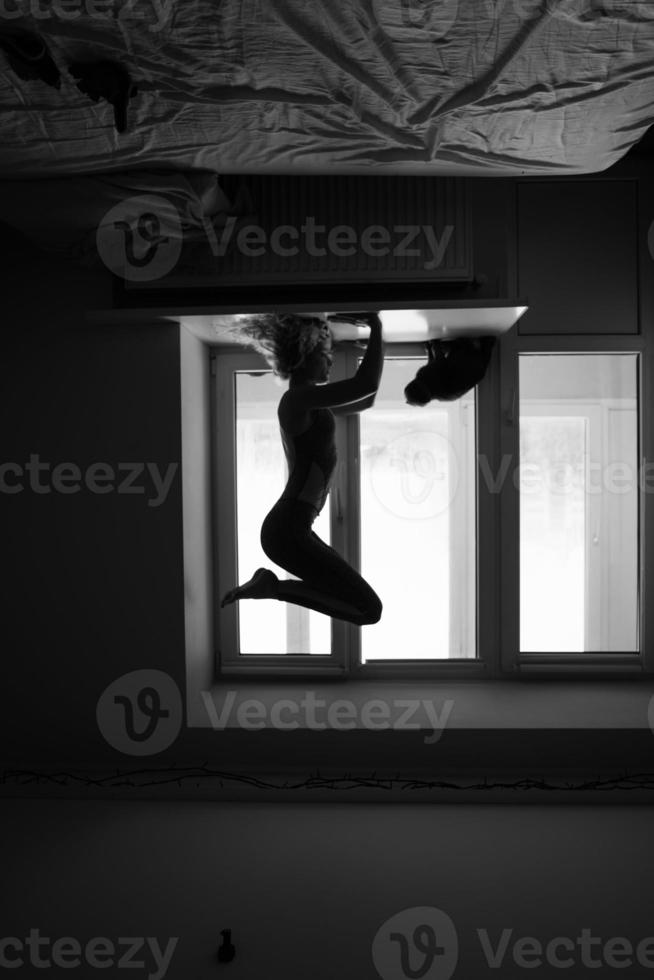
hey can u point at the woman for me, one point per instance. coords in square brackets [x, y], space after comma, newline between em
[298, 348]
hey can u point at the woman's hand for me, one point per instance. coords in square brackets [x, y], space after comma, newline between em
[373, 320]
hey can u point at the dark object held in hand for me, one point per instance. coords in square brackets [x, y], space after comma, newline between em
[454, 367]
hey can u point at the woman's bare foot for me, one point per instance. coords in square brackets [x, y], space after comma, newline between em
[262, 585]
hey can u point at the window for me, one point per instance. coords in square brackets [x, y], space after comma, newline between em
[416, 519]
[403, 498]
[267, 627]
[579, 503]
[504, 532]
[574, 514]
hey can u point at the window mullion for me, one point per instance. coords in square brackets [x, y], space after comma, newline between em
[489, 471]
[506, 489]
[224, 482]
[342, 511]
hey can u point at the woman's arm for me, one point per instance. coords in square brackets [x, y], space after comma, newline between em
[355, 407]
[372, 365]
[363, 385]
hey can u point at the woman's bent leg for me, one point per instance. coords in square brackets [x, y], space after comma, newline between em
[327, 583]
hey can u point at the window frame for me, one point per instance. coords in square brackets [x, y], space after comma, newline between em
[225, 362]
[484, 664]
[568, 665]
[344, 661]
[497, 527]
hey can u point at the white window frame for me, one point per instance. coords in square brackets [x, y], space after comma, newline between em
[628, 663]
[225, 362]
[452, 666]
[344, 661]
[497, 573]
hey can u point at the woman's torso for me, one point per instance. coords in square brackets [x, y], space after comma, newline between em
[310, 450]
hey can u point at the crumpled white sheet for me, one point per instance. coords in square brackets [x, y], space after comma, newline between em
[342, 86]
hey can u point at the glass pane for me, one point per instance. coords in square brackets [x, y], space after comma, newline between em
[417, 486]
[267, 626]
[579, 503]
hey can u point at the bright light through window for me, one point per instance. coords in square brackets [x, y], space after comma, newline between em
[417, 487]
[267, 626]
[579, 483]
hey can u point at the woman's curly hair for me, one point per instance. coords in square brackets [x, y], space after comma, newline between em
[284, 339]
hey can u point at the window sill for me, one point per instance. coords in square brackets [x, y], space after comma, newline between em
[285, 705]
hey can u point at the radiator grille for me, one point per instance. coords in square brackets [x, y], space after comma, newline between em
[402, 207]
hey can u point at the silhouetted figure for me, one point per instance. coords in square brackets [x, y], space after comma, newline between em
[299, 349]
[454, 367]
[106, 80]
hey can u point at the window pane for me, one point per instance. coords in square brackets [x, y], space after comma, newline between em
[267, 626]
[579, 503]
[417, 488]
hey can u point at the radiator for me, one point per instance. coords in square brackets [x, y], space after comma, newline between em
[336, 229]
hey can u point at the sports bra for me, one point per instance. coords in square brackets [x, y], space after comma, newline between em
[311, 459]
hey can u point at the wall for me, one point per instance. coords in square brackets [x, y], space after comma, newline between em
[96, 587]
[305, 889]
[94, 583]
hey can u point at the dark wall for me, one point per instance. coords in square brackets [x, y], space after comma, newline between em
[305, 889]
[93, 582]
